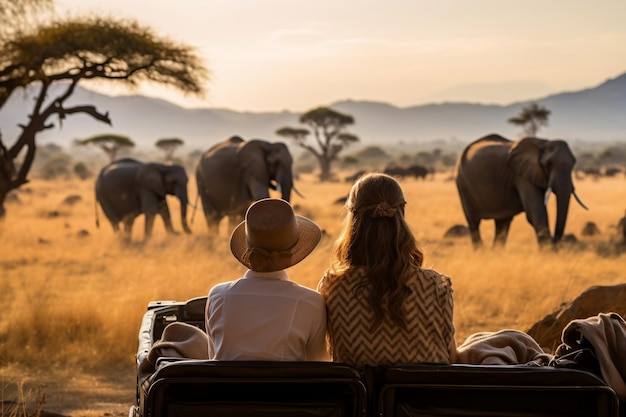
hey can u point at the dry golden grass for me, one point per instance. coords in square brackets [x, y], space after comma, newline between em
[74, 303]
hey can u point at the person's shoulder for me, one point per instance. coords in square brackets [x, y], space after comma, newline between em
[429, 272]
[307, 294]
[327, 278]
[334, 279]
[442, 280]
[221, 287]
[332, 275]
[304, 290]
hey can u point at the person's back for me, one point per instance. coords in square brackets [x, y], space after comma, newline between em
[428, 329]
[264, 315]
[383, 307]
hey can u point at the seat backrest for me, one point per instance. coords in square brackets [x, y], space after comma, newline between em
[478, 390]
[255, 389]
[162, 313]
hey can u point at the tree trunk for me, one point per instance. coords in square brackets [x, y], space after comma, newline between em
[324, 169]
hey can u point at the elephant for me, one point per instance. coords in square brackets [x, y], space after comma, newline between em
[127, 188]
[497, 178]
[355, 176]
[394, 171]
[234, 173]
[418, 171]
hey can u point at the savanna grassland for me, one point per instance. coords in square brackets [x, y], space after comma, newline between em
[73, 295]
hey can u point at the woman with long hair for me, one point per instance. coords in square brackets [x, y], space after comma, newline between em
[384, 308]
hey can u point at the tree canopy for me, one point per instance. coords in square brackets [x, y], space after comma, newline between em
[19, 14]
[169, 146]
[52, 57]
[531, 119]
[109, 143]
[328, 127]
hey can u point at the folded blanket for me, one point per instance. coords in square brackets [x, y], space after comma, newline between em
[607, 335]
[504, 347]
[179, 340]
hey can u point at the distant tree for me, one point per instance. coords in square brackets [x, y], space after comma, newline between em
[81, 170]
[373, 152]
[110, 144]
[57, 166]
[328, 128]
[169, 146]
[531, 119]
[51, 56]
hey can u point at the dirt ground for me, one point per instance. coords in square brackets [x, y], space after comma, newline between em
[68, 393]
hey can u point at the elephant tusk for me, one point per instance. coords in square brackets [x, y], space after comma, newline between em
[193, 213]
[579, 200]
[297, 192]
[547, 196]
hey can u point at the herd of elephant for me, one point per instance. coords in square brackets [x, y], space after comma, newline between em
[496, 178]
[230, 175]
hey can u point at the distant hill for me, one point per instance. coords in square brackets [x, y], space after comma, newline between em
[596, 114]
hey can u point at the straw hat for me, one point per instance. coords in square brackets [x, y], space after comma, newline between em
[273, 237]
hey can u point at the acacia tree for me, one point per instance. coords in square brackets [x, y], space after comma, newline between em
[169, 146]
[110, 144]
[52, 57]
[328, 128]
[531, 118]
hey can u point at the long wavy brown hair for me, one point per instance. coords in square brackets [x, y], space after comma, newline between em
[376, 237]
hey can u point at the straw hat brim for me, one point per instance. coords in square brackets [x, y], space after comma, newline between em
[309, 235]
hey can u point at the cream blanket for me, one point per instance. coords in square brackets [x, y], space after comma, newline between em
[504, 347]
[607, 334]
[179, 340]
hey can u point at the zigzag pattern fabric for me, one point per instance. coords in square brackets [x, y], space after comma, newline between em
[429, 329]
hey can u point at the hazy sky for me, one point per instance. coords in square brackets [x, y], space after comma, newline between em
[273, 55]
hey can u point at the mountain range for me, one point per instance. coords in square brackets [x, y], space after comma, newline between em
[593, 115]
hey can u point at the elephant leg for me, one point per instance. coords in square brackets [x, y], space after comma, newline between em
[537, 216]
[148, 225]
[164, 212]
[502, 231]
[211, 215]
[473, 223]
[150, 207]
[543, 236]
[111, 214]
[234, 220]
[474, 229]
[128, 226]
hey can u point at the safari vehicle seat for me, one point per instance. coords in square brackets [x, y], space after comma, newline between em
[254, 389]
[492, 390]
[182, 387]
[161, 313]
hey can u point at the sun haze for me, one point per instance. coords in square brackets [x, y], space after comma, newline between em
[274, 55]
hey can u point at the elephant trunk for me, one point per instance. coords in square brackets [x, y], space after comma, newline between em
[563, 192]
[285, 192]
[181, 194]
[284, 180]
[562, 207]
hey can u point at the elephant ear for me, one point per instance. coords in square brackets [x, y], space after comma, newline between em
[252, 158]
[274, 157]
[151, 178]
[525, 160]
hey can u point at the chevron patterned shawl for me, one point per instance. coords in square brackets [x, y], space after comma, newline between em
[429, 311]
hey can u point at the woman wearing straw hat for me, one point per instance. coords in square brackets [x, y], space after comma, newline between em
[264, 315]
